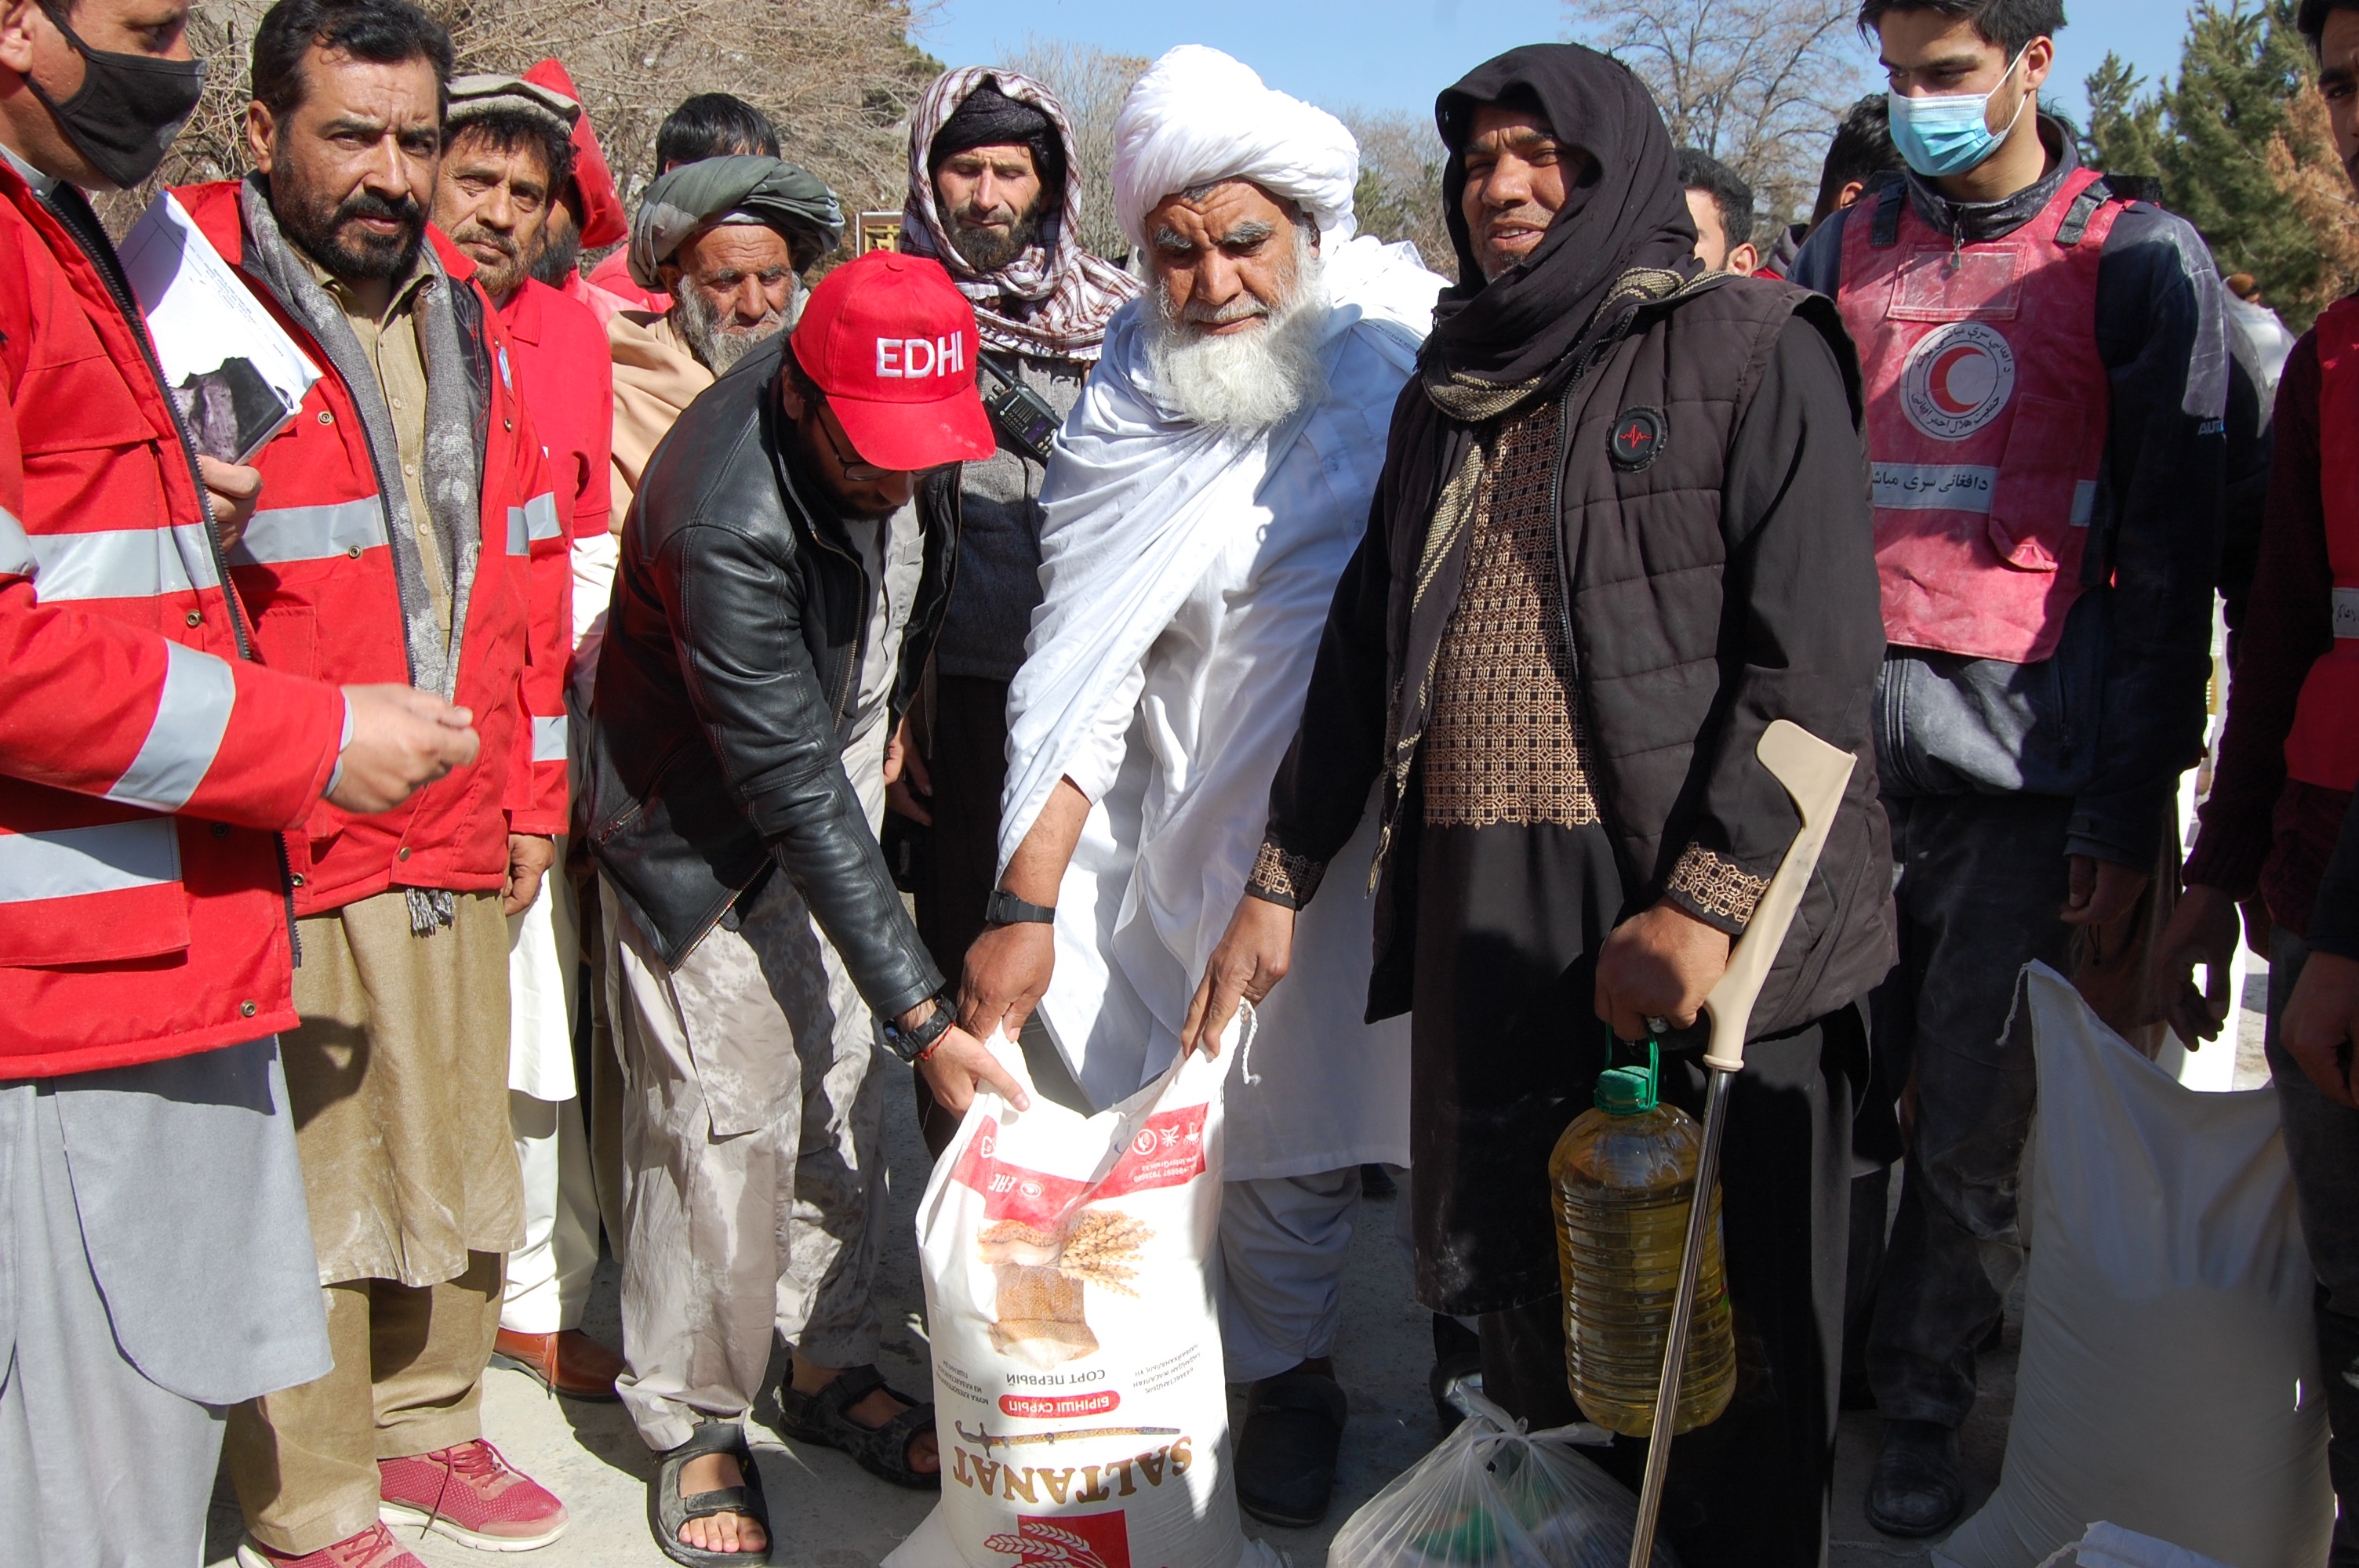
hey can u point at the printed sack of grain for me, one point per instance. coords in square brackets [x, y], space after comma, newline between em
[1081, 1399]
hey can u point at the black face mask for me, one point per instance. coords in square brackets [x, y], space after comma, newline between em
[128, 109]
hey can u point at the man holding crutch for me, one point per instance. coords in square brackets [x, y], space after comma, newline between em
[1621, 531]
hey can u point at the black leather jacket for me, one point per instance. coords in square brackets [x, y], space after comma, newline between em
[725, 687]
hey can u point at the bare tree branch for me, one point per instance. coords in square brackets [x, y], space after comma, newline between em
[836, 76]
[1756, 83]
[1399, 193]
[1091, 85]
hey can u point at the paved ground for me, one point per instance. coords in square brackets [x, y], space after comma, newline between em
[828, 1513]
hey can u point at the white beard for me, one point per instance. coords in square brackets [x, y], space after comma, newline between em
[1245, 382]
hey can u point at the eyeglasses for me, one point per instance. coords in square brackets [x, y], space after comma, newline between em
[857, 471]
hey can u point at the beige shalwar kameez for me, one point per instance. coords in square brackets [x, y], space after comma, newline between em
[398, 1079]
[754, 1190]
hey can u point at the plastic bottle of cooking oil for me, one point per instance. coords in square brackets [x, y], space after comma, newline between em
[1623, 1176]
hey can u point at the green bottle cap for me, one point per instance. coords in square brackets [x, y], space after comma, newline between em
[1625, 1091]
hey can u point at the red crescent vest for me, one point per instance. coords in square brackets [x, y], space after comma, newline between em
[2323, 747]
[1988, 406]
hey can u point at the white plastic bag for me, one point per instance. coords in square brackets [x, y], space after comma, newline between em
[2169, 1379]
[1081, 1399]
[1492, 1497]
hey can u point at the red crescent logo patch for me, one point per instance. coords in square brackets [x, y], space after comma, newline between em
[1958, 379]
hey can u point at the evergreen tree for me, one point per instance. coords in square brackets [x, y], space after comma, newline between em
[2238, 144]
[2126, 132]
[2239, 74]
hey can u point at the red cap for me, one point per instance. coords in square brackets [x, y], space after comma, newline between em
[603, 222]
[891, 341]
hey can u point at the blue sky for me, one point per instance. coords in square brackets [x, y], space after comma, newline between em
[1397, 54]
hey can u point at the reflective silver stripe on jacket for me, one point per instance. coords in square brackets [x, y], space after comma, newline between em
[121, 563]
[16, 550]
[536, 519]
[548, 739]
[199, 692]
[65, 862]
[311, 533]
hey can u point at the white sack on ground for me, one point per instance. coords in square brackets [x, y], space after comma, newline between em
[2167, 1331]
[1078, 1391]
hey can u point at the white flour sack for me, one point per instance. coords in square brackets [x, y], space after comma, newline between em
[2169, 1382]
[1078, 1382]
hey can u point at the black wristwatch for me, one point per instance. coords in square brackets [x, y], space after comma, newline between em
[1003, 908]
[911, 1043]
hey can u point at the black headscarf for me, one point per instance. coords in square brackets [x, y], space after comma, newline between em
[1535, 322]
[989, 118]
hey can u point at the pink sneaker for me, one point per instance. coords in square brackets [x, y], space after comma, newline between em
[372, 1548]
[472, 1494]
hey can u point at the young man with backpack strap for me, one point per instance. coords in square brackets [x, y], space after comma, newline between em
[2047, 371]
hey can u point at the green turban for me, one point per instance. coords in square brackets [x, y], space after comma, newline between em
[740, 188]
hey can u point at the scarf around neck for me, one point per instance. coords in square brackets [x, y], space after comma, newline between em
[453, 472]
[1054, 300]
[1623, 241]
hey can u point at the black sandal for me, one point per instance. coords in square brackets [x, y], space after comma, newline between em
[668, 1512]
[825, 1418]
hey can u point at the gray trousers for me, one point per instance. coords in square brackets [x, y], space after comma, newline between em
[754, 1184]
[156, 1266]
[1980, 881]
[2322, 1143]
[1284, 1240]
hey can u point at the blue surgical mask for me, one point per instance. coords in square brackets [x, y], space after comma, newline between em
[1951, 133]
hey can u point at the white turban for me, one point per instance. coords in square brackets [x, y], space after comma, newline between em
[1199, 116]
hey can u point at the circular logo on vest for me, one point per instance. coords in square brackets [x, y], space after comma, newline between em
[1637, 438]
[1958, 379]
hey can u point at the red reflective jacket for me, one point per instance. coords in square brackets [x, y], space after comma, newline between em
[612, 276]
[146, 762]
[2322, 748]
[566, 376]
[316, 570]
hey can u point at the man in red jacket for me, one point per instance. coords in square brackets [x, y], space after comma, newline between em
[588, 213]
[507, 148]
[408, 533]
[154, 1262]
[2288, 764]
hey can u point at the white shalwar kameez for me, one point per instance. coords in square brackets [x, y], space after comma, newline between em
[549, 1276]
[1188, 576]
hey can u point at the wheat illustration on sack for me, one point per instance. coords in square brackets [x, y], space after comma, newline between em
[1042, 1542]
[1043, 1279]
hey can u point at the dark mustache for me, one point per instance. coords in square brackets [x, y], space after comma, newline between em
[369, 204]
[973, 217]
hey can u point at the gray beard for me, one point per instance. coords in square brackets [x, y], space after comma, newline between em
[716, 348]
[1245, 382]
